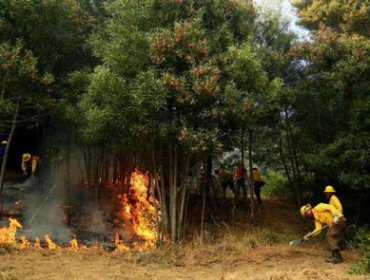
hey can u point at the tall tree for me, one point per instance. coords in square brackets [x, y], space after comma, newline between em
[175, 77]
[40, 43]
[334, 104]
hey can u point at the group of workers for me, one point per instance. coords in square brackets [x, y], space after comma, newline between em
[328, 214]
[236, 181]
[29, 162]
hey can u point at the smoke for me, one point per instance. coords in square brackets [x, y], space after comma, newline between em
[43, 198]
[42, 212]
[57, 190]
[45, 217]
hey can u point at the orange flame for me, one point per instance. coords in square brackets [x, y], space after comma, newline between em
[7, 234]
[37, 245]
[120, 246]
[73, 244]
[51, 245]
[24, 243]
[137, 210]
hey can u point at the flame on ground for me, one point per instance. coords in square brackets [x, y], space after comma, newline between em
[120, 246]
[24, 243]
[137, 210]
[51, 245]
[73, 244]
[37, 245]
[7, 234]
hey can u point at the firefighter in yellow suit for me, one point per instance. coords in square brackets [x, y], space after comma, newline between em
[29, 164]
[326, 214]
[333, 199]
[258, 183]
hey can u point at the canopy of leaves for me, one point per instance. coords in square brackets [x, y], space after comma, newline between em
[184, 71]
[333, 107]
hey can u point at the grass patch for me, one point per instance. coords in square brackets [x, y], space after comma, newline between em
[272, 237]
[7, 248]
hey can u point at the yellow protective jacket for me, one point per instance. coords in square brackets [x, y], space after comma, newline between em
[334, 200]
[324, 214]
[32, 162]
[256, 176]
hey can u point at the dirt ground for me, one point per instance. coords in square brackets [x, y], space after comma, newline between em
[242, 255]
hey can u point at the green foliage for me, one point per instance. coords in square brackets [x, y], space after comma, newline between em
[277, 185]
[273, 237]
[41, 41]
[331, 107]
[333, 14]
[362, 241]
[167, 64]
[53, 30]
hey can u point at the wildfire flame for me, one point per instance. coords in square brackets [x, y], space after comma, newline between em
[137, 209]
[51, 245]
[73, 244]
[24, 243]
[120, 246]
[37, 245]
[7, 234]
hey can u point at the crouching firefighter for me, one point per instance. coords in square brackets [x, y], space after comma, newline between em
[326, 214]
[29, 164]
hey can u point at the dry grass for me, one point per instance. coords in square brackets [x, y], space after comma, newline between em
[240, 252]
[238, 255]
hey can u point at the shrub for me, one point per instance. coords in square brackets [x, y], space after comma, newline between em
[277, 185]
[362, 241]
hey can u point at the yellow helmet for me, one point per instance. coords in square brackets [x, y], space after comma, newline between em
[303, 210]
[26, 157]
[4, 142]
[329, 189]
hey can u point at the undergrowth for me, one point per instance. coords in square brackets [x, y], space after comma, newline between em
[362, 241]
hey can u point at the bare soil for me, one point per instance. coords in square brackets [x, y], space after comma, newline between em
[240, 253]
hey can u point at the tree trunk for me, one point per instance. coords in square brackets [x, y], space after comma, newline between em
[67, 180]
[182, 198]
[173, 193]
[250, 137]
[10, 138]
[282, 156]
[203, 205]
[292, 162]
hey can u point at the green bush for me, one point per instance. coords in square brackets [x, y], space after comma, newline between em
[362, 241]
[277, 185]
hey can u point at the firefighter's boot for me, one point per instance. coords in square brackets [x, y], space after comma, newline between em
[335, 257]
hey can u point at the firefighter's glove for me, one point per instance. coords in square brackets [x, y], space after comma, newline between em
[307, 236]
[336, 219]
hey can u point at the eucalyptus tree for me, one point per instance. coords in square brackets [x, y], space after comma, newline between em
[175, 77]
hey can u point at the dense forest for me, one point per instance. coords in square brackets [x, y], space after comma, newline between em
[177, 90]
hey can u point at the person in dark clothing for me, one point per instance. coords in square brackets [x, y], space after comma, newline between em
[239, 177]
[226, 180]
[258, 183]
